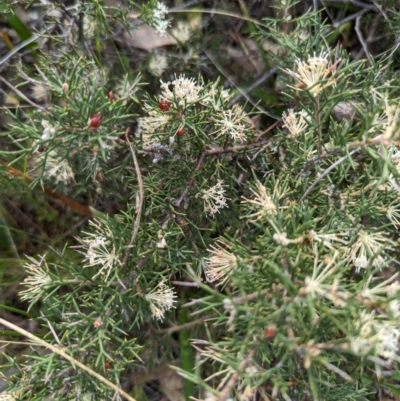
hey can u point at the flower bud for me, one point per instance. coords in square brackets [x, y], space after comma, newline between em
[95, 121]
[270, 332]
[164, 105]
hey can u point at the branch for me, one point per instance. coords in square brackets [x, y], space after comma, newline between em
[59, 351]
[139, 200]
[69, 202]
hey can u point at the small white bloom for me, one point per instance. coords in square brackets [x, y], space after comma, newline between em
[184, 91]
[157, 20]
[262, 203]
[393, 214]
[38, 278]
[234, 123]
[216, 97]
[368, 246]
[388, 341]
[387, 122]
[394, 308]
[314, 74]
[220, 264]
[89, 26]
[281, 239]
[9, 396]
[381, 291]
[182, 32]
[99, 249]
[154, 122]
[214, 198]
[316, 284]
[332, 241]
[55, 168]
[48, 131]
[162, 243]
[62, 172]
[381, 335]
[296, 122]
[161, 299]
[158, 64]
[40, 92]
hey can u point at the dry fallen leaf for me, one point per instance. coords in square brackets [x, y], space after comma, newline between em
[171, 384]
[147, 38]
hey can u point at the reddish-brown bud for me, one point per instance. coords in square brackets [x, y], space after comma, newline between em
[181, 132]
[270, 332]
[95, 121]
[164, 105]
[110, 96]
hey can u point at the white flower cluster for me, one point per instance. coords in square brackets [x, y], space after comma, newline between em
[48, 131]
[184, 91]
[216, 97]
[37, 279]
[214, 198]
[157, 20]
[234, 123]
[315, 74]
[99, 249]
[262, 203]
[381, 335]
[220, 263]
[367, 249]
[296, 122]
[56, 168]
[158, 64]
[161, 299]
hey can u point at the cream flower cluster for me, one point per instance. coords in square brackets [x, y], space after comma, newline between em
[161, 299]
[214, 198]
[181, 91]
[379, 335]
[220, 263]
[315, 74]
[37, 279]
[98, 249]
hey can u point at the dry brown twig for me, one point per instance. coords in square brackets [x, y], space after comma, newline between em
[139, 200]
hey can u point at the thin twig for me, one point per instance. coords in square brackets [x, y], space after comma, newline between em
[19, 93]
[59, 351]
[362, 41]
[350, 18]
[231, 81]
[236, 148]
[352, 2]
[139, 201]
[339, 372]
[18, 48]
[254, 85]
[319, 128]
[69, 202]
[326, 172]
[185, 326]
